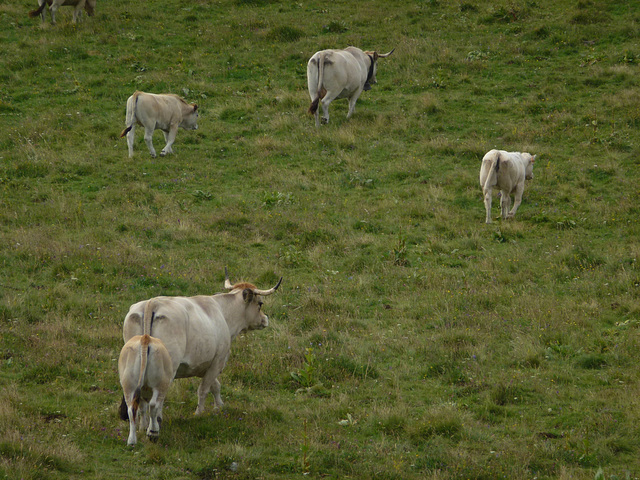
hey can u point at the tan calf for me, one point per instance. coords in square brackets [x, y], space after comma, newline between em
[145, 375]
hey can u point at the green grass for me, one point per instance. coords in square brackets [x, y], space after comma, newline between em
[409, 340]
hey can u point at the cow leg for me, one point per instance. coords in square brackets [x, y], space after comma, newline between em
[326, 101]
[52, 10]
[131, 139]
[43, 12]
[148, 139]
[203, 390]
[133, 418]
[317, 117]
[215, 389]
[77, 12]
[487, 204]
[155, 407]
[169, 138]
[505, 203]
[206, 387]
[143, 414]
[132, 427]
[211, 384]
[352, 103]
[79, 9]
[517, 200]
[325, 113]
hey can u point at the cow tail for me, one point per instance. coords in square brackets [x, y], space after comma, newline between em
[144, 356]
[124, 411]
[132, 103]
[493, 172]
[314, 104]
[38, 11]
[148, 317]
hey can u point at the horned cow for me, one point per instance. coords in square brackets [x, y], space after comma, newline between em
[335, 74]
[197, 331]
[164, 112]
[88, 5]
[507, 171]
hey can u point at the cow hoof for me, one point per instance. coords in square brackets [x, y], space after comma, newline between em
[163, 153]
[324, 121]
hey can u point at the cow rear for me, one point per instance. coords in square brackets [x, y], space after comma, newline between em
[146, 373]
[507, 171]
[335, 74]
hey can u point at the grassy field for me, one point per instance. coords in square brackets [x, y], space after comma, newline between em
[409, 339]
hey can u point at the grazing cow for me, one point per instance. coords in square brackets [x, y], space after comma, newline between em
[164, 112]
[507, 171]
[197, 331]
[145, 371]
[89, 6]
[344, 73]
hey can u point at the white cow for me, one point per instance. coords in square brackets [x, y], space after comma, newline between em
[197, 331]
[145, 371]
[88, 5]
[335, 74]
[164, 112]
[507, 171]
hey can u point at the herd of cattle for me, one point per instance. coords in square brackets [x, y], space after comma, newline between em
[178, 337]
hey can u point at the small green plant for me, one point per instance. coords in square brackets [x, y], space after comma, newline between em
[276, 199]
[306, 376]
[200, 195]
[305, 450]
[399, 252]
[335, 27]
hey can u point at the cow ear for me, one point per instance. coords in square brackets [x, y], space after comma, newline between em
[247, 295]
[195, 107]
[533, 159]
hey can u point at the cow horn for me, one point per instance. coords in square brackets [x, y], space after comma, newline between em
[268, 292]
[386, 54]
[227, 283]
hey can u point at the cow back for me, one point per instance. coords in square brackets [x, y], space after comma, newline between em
[192, 329]
[163, 110]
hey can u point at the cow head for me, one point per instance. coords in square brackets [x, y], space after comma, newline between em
[373, 67]
[528, 172]
[254, 318]
[190, 121]
[90, 7]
